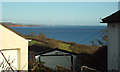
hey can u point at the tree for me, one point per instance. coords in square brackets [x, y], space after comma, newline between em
[53, 43]
[32, 35]
[103, 38]
[41, 37]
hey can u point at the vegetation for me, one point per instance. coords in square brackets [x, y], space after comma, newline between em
[4, 65]
[40, 67]
[87, 54]
[103, 38]
[69, 46]
[34, 42]
[64, 46]
[97, 60]
[41, 37]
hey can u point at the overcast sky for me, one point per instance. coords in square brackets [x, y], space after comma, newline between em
[57, 13]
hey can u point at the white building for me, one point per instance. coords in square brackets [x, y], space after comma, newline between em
[113, 24]
[55, 56]
[14, 48]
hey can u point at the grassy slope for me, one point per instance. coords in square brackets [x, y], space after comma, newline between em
[52, 43]
[72, 48]
[60, 45]
[34, 42]
[64, 46]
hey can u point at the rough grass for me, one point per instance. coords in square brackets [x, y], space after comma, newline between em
[64, 46]
[72, 48]
[60, 45]
[34, 42]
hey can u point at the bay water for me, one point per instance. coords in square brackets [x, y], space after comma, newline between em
[78, 34]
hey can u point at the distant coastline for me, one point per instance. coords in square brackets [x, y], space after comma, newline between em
[10, 24]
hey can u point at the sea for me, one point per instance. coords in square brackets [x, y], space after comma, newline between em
[78, 34]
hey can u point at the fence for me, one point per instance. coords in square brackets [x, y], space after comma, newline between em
[88, 69]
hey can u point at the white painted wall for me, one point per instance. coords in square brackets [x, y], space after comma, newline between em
[0, 37]
[113, 46]
[10, 40]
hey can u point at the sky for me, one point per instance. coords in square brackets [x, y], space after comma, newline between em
[60, 0]
[57, 13]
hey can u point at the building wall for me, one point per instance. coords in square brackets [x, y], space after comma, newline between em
[10, 40]
[0, 38]
[119, 45]
[52, 61]
[113, 46]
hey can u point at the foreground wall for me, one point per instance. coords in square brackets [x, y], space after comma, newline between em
[113, 46]
[15, 45]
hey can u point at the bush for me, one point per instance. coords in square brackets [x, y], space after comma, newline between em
[41, 37]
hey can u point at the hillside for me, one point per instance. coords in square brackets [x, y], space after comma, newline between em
[10, 24]
[42, 40]
[93, 56]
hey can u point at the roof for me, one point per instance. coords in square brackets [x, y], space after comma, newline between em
[54, 49]
[12, 30]
[113, 18]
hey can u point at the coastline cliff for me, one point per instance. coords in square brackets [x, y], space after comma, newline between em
[10, 24]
